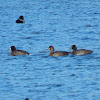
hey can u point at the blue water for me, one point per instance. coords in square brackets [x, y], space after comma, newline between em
[60, 23]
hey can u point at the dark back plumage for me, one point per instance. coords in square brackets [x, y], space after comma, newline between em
[80, 52]
[56, 53]
[17, 52]
[20, 20]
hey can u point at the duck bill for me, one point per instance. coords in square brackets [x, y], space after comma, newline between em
[70, 48]
[48, 49]
[9, 49]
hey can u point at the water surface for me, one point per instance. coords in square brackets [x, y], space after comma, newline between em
[53, 22]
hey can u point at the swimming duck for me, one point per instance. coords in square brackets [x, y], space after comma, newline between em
[56, 53]
[17, 52]
[80, 52]
[20, 20]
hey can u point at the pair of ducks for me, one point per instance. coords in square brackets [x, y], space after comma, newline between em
[74, 52]
[52, 53]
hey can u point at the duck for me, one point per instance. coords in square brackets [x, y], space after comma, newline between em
[80, 52]
[56, 53]
[20, 20]
[17, 52]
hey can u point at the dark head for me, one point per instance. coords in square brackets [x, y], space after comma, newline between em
[51, 48]
[27, 99]
[12, 48]
[74, 47]
[21, 17]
